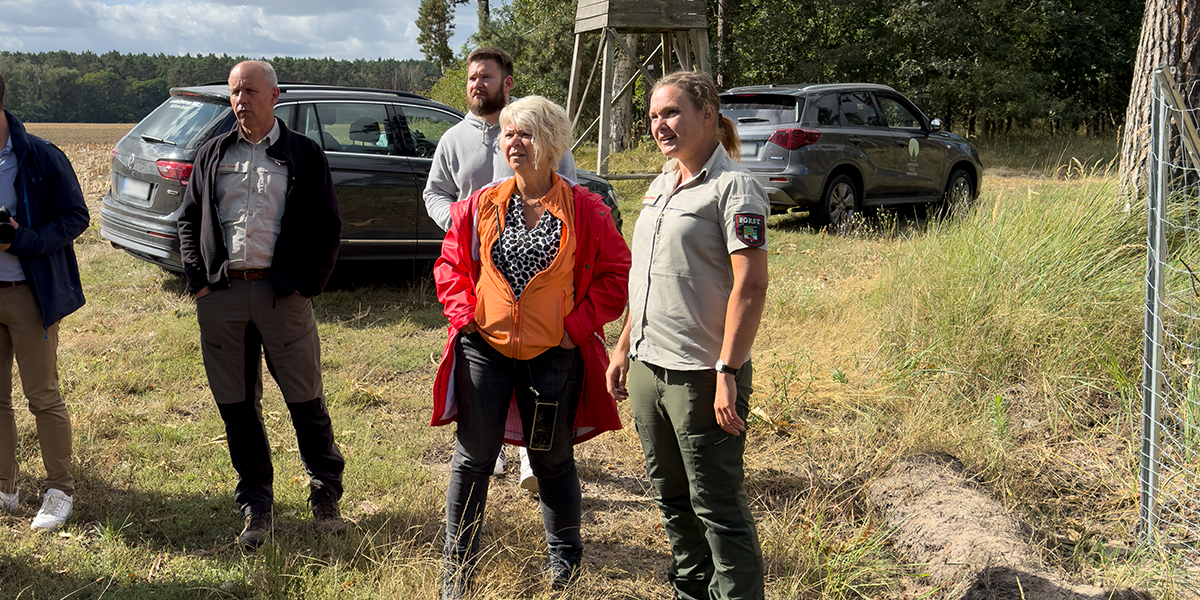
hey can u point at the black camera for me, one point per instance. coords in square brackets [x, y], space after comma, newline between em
[7, 231]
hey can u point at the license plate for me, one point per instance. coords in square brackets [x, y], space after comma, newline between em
[135, 188]
[750, 149]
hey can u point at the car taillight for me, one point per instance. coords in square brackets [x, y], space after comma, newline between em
[794, 138]
[178, 171]
[113, 156]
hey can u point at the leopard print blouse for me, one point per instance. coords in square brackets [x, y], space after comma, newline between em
[519, 253]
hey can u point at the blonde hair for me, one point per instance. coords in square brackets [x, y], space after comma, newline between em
[700, 89]
[545, 121]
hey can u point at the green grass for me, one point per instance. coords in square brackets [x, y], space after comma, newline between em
[1008, 336]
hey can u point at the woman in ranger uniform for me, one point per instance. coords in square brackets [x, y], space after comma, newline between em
[530, 272]
[696, 294]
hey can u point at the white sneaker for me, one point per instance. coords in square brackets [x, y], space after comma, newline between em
[528, 481]
[8, 502]
[56, 507]
[499, 468]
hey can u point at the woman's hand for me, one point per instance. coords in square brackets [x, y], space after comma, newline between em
[617, 375]
[726, 405]
[567, 342]
[470, 327]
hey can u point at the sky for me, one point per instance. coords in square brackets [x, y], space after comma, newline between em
[340, 29]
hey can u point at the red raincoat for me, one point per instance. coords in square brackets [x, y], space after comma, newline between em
[601, 292]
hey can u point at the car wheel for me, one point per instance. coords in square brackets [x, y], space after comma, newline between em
[838, 203]
[960, 192]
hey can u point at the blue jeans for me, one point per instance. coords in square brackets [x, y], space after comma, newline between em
[485, 381]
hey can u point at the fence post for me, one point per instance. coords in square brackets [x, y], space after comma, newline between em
[1153, 356]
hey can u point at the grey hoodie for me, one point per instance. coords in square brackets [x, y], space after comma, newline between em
[468, 158]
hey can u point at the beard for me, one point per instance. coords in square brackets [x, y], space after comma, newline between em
[487, 105]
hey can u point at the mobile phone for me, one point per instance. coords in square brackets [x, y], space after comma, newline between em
[541, 437]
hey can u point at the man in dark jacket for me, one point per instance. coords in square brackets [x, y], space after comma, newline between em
[259, 233]
[39, 284]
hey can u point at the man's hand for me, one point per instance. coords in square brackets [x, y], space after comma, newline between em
[204, 291]
[617, 375]
[567, 343]
[726, 405]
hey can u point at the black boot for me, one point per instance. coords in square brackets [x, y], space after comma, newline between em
[457, 571]
[564, 568]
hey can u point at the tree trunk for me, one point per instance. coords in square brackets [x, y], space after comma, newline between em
[1169, 38]
[485, 16]
[622, 110]
[724, 16]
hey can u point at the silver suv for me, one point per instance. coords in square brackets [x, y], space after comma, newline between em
[835, 149]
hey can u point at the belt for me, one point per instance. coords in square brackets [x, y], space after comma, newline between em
[250, 274]
[8, 284]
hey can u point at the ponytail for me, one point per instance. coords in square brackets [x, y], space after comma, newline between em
[728, 136]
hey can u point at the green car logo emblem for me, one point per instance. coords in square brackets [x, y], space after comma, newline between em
[914, 148]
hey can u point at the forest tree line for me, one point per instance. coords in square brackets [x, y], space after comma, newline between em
[69, 87]
[982, 66]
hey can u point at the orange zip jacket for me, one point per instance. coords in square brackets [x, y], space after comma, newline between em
[526, 328]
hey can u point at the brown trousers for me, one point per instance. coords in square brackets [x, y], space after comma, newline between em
[36, 350]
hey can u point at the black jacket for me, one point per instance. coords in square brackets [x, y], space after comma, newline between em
[309, 233]
[50, 213]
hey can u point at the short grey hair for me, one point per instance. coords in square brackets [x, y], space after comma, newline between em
[546, 121]
[268, 70]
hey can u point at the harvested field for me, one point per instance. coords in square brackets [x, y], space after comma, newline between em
[62, 134]
[89, 147]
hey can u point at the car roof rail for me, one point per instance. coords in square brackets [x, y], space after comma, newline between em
[300, 85]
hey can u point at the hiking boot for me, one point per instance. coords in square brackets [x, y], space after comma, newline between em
[56, 507]
[258, 526]
[564, 568]
[456, 576]
[8, 502]
[327, 517]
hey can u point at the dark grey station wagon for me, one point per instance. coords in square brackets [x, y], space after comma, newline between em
[835, 149]
[379, 144]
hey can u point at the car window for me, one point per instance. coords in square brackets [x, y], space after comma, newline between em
[182, 121]
[354, 127]
[821, 110]
[858, 108]
[284, 112]
[421, 128]
[770, 109]
[898, 115]
[308, 124]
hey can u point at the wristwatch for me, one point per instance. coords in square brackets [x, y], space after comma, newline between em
[721, 367]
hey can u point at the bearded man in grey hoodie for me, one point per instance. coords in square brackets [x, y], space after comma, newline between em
[468, 156]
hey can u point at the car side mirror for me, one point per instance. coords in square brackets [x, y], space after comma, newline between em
[935, 124]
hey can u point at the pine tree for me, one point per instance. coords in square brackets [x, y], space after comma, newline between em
[435, 19]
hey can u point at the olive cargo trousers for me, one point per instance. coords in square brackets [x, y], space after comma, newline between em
[696, 469]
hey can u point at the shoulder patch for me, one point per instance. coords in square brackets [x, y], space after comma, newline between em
[750, 228]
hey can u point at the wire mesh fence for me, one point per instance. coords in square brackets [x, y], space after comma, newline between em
[1170, 469]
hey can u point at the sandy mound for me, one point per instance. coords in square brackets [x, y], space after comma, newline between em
[965, 540]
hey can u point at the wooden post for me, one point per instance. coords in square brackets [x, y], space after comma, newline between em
[700, 47]
[666, 53]
[606, 83]
[573, 87]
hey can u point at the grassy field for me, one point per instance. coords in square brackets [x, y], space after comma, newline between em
[1007, 337]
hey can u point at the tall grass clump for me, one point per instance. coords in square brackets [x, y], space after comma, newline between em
[1041, 285]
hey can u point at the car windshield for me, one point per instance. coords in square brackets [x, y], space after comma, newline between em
[180, 121]
[751, 109]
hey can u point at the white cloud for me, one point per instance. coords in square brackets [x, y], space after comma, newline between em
[343, 29]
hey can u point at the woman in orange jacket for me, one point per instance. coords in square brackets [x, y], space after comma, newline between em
[530, 272]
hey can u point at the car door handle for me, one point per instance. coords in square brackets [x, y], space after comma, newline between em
[855, 140]
[901, 143]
